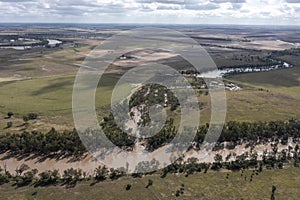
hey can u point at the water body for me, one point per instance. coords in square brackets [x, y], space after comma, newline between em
[17, 47]
[54, 42]
[51, 43]
[238, 70]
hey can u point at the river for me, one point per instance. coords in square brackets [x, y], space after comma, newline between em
[238, 70]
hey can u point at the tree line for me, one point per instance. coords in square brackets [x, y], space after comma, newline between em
[68, 143]
[25, 176]
[272, 159]
[53, 143]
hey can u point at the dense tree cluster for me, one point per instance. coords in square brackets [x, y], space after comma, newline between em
[68, 143]
[291, 52]
[235, 132]
[263, 131]
[115, 134]
[65, 143]
[185, 167]
[48, 178]
[164, 136]
[153, 94]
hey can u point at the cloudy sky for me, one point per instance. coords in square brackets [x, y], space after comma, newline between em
[274, 12]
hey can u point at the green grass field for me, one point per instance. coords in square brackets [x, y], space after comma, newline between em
[278, 100]
[46, 96]
[41, 62]
[212, 185]
[265, 96]
[50, 98]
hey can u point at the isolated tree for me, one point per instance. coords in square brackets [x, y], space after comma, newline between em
[227, 158]
[22, 168]
[218, 158]
[72, 176]
[131, 114]
[34, 193]
[101, 173]
[4, 176]
[25, 119]
[48, 178]
[128, 186]
[9, 124]
[10, 114]
[26, 179]
[273, 192]
[150, 183]
[260, 169]
[297, 148]
[32, 116]
[177, 194]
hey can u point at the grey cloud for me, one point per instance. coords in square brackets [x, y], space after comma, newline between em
[79, 7]
[181, 2]
[70, 8]
[228, 1]
[265, 13]
[74, 3]
[209, 6]
[236, 6]
[166, 7]
[297, 9]
[145, 8]
[13, 1]
[292, 1]
[245, 11]
[66, 7]
[177, 2]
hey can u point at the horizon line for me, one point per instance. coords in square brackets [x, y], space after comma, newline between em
[142, 23]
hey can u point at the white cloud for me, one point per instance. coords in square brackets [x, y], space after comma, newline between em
[153, 11]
